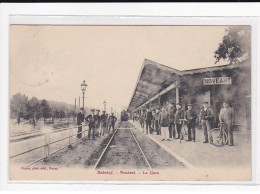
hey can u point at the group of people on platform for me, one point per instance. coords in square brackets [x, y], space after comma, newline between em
[96, 123]
[167, 121]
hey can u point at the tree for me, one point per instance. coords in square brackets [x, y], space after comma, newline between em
[18, 106]
[56, 114]
[235, 46]
[45, 109]
[33, 110]
[71, 113]
[62, 114]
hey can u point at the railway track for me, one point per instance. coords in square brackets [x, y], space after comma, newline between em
[124, 144]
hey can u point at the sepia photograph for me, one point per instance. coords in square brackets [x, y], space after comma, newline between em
[130, 103]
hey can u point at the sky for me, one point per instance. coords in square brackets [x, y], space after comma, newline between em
[50, 62]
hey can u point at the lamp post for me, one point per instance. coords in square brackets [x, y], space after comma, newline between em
[83, 89]
[104, 105]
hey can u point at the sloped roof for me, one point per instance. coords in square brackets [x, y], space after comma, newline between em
[155, 77]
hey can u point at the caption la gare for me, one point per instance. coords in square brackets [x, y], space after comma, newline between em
[110, 172]
[39, 168]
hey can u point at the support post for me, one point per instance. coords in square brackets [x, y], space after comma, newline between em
[177, 92]
[83, 100]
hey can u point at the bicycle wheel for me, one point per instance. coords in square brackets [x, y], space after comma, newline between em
[225, 138]
[217, 138]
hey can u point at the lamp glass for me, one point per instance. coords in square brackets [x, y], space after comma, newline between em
[83, 86]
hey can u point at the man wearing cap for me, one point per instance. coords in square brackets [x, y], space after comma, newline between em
[148, 120]
[171, 112]
[97, 124]
[111, 122]
[91, 119]
[80, 121]
[164, 123]
[156, 121]
[179, 114]
[205, 118]
[191, 116]
[103, 120]
[153, 120]
[141, 119]
[226, 116]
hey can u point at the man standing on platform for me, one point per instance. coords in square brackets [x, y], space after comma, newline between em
[156, 120]
[171, 113]
[153, 120]
[148, 120]
[141, 119]
[107, 116]
[91, 119]
[111, 122]
[164, 123]
[205, 118]
[103, 120]
[191, 116]
[226, 116]
[97, 125]
[80, 121]
[179, 114]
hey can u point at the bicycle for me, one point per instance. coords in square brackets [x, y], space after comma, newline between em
[183, 132]
[218, 136]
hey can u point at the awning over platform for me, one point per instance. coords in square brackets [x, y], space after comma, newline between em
[153, 78]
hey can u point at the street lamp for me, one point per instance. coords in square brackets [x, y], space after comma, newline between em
[83, 89]
[104, 105]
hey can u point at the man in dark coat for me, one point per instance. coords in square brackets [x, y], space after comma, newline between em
[148, 120]
[179, 114]
[171, 113]
[156, 120]
[91, 119]
[142, 119]
[191, 116]
[97, 125]
[80, 121]
[111, 122]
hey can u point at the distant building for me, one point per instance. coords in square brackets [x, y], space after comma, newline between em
[158, 84]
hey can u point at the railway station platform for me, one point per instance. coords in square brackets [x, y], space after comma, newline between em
[200, 155]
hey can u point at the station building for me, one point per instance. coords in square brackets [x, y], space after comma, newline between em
[158, 84]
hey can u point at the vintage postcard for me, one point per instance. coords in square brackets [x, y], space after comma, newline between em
[130, 103]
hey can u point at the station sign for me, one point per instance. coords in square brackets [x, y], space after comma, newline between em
[217, 81]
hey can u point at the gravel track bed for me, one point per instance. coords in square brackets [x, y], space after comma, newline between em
[157, 156]
[122, 153]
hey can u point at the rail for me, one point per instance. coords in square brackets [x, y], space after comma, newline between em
[108, 144]
[141, 150]
[47, 143]
[104, 151]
